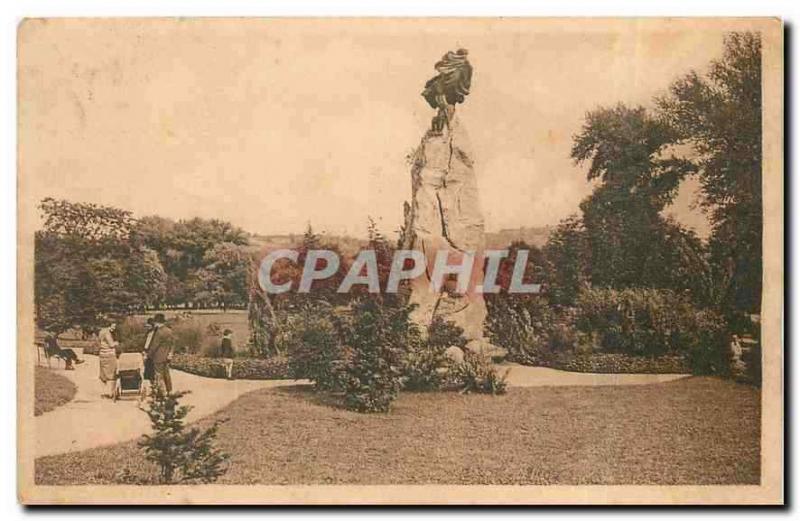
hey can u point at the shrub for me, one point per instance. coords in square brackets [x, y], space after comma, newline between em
[562, 336]
[131, 334]
[210, 346]
[637, 321]
[709, 345]
[654, 323]
[477, 374]
[183, 456]
[752, 365]
[375, 337]
[443, 334]
[189, 336]
[244, 368]
[313, 347]
[426, 362]
[522, 326]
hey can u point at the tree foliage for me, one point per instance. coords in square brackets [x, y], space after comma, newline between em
[719, 115]
[567, 261]
[631, 243]
[223, 278]
[88, 264]
[205, 260]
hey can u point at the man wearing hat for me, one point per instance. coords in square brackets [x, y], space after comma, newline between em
[158, 346]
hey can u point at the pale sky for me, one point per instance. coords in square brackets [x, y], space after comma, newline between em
[271, 124]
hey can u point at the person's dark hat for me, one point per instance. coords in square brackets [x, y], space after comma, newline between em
[159, 318]
[227, 332]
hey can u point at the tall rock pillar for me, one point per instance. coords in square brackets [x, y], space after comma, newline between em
[445, 211]
[445, 216]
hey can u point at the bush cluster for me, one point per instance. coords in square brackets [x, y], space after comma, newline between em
[365, 353]
[648, 330]
[357, 352]
[312, 345]
[530, 328]
[636, 321]
[709, 346]
[518, 326]
[131, 334]
[476, 374]
[752, 366]
[426, 363]
[375, 337]
[651, 322]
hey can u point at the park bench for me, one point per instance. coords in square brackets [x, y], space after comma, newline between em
[42, 351]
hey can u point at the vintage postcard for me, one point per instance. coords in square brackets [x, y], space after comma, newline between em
[400, 261]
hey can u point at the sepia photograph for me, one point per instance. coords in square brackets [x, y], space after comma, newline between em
[400, 261]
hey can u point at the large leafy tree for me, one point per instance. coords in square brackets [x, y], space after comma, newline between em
[631, 243]
[88, 264]
[185, 250]
[719, 115]
[223, 280]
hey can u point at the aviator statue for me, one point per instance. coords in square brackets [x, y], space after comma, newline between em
[449, 87]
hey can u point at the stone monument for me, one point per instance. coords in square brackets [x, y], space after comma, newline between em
[445, 212]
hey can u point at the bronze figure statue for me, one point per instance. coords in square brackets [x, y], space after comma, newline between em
[449, 87]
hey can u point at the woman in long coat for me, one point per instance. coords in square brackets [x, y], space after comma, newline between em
[108, 359]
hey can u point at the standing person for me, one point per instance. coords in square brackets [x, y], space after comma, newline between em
[159, 351]
[108, 358]
[149, 371]
[226, 351]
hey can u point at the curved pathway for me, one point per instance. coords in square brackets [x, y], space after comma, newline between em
[89, 421]
[527, 376]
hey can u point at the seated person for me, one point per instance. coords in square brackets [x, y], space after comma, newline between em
[53, 349]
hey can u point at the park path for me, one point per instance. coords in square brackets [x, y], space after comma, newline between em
[89, 421]
[527, 376]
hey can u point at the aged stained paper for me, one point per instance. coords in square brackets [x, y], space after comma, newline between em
[636, 162]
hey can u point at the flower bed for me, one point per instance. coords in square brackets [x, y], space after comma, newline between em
[618, 363]
[275, 368]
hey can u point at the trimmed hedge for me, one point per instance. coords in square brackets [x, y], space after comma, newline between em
[617, 363]
[274, 368]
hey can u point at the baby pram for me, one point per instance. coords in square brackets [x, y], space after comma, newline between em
[130, 375]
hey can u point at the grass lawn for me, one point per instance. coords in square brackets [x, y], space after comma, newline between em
[51, 390]
[692, 431]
